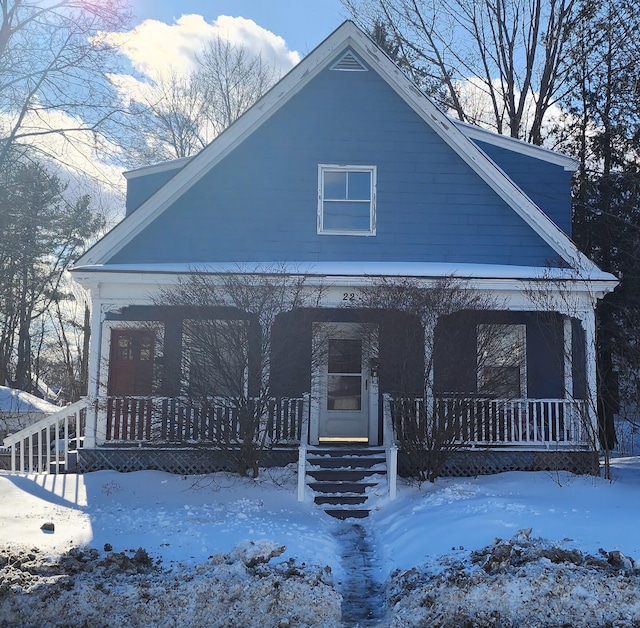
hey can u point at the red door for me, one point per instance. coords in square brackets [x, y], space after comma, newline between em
[131, 362]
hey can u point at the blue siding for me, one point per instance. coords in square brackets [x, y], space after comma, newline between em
[548, 185]
[140, 188]
[260, 203]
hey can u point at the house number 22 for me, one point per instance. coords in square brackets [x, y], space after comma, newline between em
[348, 296]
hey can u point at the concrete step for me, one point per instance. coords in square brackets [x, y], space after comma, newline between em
[341, 487]
[347, 513]
[352, 462]
[343, 475]
[342, 500]
[340, 451]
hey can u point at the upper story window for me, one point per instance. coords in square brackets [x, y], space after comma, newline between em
[346, 200]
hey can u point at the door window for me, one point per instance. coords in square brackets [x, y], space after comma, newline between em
[344, 384]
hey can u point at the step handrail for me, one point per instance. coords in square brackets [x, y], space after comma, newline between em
[390, 446]
[42, 430]
[302, 449]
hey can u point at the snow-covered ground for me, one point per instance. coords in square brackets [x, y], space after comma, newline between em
[224, 551]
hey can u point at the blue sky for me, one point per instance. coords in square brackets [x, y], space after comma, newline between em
[302, 23]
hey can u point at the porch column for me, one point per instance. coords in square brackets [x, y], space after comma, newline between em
[588, 320]
[568, 358]
[93, 384]
[429, 348]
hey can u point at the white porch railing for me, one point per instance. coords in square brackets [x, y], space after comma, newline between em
[390, 446]
[219, 420]
[557, 423]
[44, 446]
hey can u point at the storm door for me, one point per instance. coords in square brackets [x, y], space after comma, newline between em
[343, 382]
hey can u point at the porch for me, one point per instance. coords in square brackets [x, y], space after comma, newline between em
[469, 421]
[174, 435]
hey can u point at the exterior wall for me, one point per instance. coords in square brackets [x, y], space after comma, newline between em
[141, 187]
[169, 321]
[456, 336]
[401, 349]
[260, 203]
[548, 185]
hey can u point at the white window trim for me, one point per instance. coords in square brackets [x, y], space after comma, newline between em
[322, 168]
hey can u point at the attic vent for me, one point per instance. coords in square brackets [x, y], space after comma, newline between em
[348, 62]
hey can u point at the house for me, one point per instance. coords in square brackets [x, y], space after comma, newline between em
[346, 175]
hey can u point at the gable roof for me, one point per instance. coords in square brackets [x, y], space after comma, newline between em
[347, 36]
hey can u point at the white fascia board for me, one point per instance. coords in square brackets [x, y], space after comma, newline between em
[221, 146]
[122, 289]
[519, 146]
[351, 273]
[162, 166]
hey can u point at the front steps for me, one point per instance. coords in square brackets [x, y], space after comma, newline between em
[343, 478]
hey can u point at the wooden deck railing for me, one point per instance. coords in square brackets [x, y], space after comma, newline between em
[176, 420]
[486, 422]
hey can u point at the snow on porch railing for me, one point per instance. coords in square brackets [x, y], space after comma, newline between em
[45, 446]
[302, 450]
[219, 420]
[485, 422]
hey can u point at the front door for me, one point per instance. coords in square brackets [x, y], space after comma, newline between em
[343, 383]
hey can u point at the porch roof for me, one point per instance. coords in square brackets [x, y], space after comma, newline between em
[363, 269]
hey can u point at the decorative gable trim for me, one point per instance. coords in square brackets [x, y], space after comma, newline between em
[348, 62]
[347, 36]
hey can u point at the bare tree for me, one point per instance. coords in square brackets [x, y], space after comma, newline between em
[62, 359]
[558, 298]
[429, 428]
[227, 351]
[231, 80]
[512, 54]
[180, 114]
[53, 66]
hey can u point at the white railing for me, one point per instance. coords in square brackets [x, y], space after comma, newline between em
[487, 422]
[302, 450]
[44, 446]
[177, 419]
[390, 446]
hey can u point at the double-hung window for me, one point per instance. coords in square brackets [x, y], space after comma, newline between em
[346, 200]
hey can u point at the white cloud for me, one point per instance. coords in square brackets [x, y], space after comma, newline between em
[154, 46]
[78, 157]
[476, 102]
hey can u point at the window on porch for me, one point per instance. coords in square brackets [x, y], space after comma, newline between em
[215, 358]
[502, 363]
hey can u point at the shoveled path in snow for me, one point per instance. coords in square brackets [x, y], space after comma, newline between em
[361, 587]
